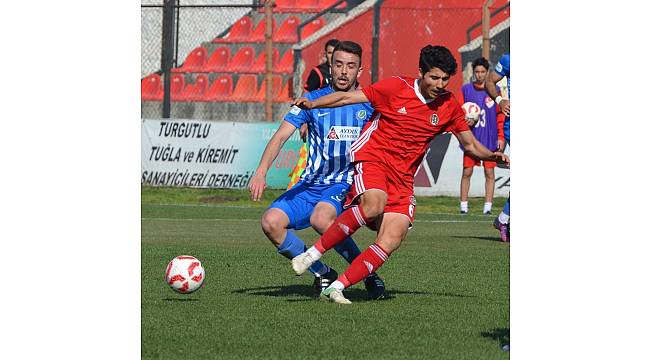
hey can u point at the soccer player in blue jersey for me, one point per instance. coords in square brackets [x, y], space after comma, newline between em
[502, 69]
[316, 200]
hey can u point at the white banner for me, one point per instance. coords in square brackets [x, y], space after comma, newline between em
[211, 154]
[442, 169]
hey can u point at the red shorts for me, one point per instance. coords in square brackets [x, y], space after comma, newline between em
[471, 162]
[376, 175]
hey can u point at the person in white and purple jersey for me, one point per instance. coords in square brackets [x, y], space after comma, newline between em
[502, 69]
[316, 200]
[488, 130]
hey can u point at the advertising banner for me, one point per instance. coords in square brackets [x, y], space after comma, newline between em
[211, 154]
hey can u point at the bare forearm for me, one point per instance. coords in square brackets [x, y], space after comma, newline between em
[270, 153]
[491, 89]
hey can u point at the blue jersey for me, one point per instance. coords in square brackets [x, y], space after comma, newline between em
[331, 133]
[503, 68]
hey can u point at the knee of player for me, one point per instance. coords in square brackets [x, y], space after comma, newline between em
[320, 223]
[270, 223]
[373, 203]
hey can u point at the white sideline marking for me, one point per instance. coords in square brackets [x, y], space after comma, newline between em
[264, 208]
[256, 220]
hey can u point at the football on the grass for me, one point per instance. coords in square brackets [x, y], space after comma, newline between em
[472, 111]
[185, 274]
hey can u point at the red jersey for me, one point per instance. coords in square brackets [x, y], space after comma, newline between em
[404, 123]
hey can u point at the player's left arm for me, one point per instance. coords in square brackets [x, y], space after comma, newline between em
[492, 90]
[474, 148]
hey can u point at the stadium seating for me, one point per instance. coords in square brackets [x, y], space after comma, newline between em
[260, 64]
[324, 4]
[246, 89]
[177, 84]
[242, 60]
[220, 90]
[218, 61]
[195, 92]
[258, 33]
[287, 31]
[308, 5]
[283, 96]
[285, 66]
[312, 27]
[151, 88]
[276, 82]
[239, 32]
[194, 61]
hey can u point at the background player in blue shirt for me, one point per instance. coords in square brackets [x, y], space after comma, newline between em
[316, 200]
[501, 70]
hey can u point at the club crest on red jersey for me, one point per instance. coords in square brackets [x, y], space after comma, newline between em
[434, 119]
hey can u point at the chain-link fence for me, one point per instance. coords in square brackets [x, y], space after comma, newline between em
[391, 33]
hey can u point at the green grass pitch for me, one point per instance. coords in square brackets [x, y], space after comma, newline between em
[448, 285]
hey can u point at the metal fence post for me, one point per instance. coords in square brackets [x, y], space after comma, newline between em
[167, 53]
[374, 69]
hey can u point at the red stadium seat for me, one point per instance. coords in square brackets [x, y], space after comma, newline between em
[194, 61]
[246, 88]
[220, 90]
[283, 96]
[285, 66]
[312, 27]
[242, 60]
[240, 31]
[308, 5]
[218, 61]
[287, 31]
[285, 5]
[195, 92]
[258, 33]
[177, 85]
[275, 90]
[260, 63]
[324, 4]
[151, 88]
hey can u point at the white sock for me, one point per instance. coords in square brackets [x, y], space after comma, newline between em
[487, 207]
[314, 253]
[337, 285]
[503, 218]
[463, 206]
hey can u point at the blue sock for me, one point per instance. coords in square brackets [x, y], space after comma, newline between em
[292, 246]
[348, 249]
[506, 208]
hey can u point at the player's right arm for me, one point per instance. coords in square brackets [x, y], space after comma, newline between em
[335, 99]
[258, 181]
[491, 88]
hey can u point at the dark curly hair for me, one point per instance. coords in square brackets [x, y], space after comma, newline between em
[481, 62]
[439, 57]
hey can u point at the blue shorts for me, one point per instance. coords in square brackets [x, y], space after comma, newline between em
[506, 129]
[299, 201]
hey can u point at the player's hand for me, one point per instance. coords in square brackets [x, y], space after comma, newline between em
[257, 186]
[470, 122]
[303, 103]
[501, 145]
[505, 106]
[502, 158]
[303, 132]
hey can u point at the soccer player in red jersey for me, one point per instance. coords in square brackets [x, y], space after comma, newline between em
[409, 113]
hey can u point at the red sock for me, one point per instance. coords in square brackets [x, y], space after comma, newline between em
[345, 225]
[368, 262]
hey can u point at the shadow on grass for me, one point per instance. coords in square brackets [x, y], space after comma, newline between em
[179, 299]
[502, 335]
[307, 291]
[488, 238]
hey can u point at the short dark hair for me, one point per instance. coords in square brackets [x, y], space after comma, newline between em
[439, 57]
[481, 62]
[349, 47]
[331, 42]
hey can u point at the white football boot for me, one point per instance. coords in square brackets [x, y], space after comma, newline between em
[302, 262]
[334, 295]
